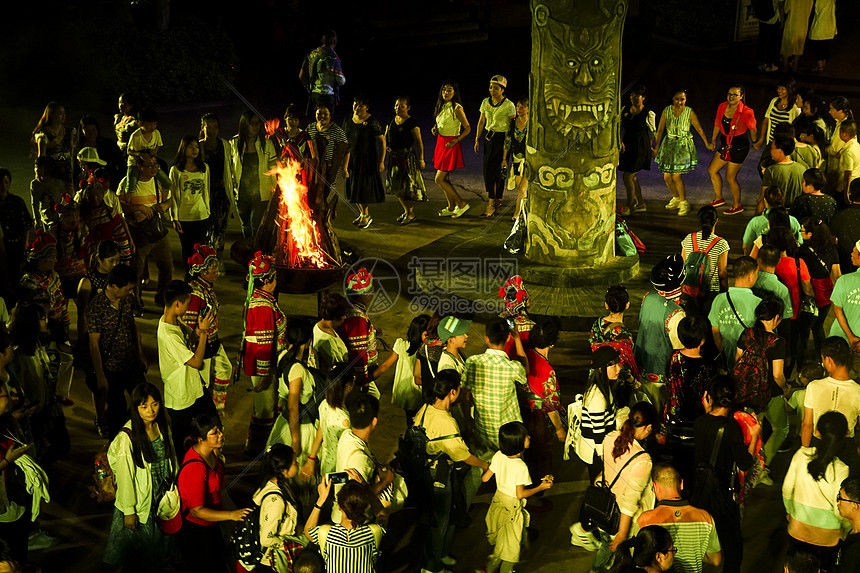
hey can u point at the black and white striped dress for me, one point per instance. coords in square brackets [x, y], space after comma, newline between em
[348, 550]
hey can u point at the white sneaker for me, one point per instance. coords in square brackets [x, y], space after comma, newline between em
[582, 538]
[460, 211]
[446, 212]
[673, 203]
[683, 208]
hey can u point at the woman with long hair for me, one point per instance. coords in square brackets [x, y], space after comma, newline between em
[51, 138]
[364, 161]
[334, 420]
[736, 125]
[811, 488]
[639, 129]
[106, 258]
[781, 109]
[625, 458]
[405, 393]
[200, 480]
[144, 465]
[294, 426]
[279, 512]
[717, 248]
[189, 187]
[253, 155]
[818, 251]
[599, 408]
[448, 155]
[650, 551]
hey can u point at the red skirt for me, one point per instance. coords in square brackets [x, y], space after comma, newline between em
[447, 159]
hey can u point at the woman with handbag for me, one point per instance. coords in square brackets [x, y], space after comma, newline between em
[818, 251]
[142, 459]
[627, 468]
[199, 481]
[736, 125]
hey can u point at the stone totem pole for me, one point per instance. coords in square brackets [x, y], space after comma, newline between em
[573, 139]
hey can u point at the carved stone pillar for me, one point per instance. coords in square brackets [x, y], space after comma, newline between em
[573, 139]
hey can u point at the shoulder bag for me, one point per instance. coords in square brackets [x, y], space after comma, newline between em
[599, 507]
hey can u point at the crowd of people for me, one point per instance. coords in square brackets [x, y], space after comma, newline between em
[680, 422]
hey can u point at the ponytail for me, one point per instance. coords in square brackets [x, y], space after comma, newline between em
[641, 415]
[641, 550]
[833, 427]
[707, 219]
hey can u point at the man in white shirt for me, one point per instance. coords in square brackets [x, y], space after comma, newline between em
[353, 450]
[836, 392]
[185, 395]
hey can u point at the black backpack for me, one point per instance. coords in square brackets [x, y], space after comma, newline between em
[310, 411]
[246, 537]
[413, 463]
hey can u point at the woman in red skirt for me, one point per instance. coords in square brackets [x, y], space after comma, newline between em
[450, 119]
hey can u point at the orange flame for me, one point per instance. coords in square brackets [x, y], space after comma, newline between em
[271, 126]
[301, 243]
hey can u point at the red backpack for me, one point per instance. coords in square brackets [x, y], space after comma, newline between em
[752, 369]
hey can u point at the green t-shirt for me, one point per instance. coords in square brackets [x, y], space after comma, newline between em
[769, 283]
[846, 295]
[788, 177]
[723, 318]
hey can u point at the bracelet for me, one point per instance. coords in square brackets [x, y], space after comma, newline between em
[317, 506]
[314, 458]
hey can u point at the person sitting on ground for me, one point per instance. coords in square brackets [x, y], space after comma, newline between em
[683, 521]
[848, 505]
[811, 489]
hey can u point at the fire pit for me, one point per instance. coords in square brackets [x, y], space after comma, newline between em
[300, 237]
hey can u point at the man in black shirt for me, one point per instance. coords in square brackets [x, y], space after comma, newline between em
[848, 504]
[718, 402]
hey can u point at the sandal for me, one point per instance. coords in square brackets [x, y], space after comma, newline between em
[401, 218]
[357, 221]
[406, 221]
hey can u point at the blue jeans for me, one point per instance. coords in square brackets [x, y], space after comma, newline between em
[441, 528]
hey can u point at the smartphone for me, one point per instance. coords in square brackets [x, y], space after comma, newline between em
[205, 311]
[338, 477]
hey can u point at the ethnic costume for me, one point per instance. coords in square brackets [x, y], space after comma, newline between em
[70, 263]
[216, 364]
[358, 332]
[265, 337]
[516, 300]
[102, 215]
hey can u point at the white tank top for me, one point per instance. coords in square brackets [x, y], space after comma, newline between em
[447, 123]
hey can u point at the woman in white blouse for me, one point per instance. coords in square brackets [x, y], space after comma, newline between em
[189, 187]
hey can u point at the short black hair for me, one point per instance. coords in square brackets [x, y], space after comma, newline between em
[512, 438]
[815, 177]
[836, 348]
[329, 38]
[5, 173]
[692, 330]
[851, 485]
[121, 275]
[617, 298]
[362, 408]
[783, 142]
[849, 128]
[147, 114]
[744, 266]
[175, 290]
[497, 330]
[854, 191]
[813, 371]
[800, 561]
[544, 334]
[769, 255]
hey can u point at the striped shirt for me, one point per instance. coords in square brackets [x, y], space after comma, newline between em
[598, 419]
[492, 378]
[348, 550]
[692, 530]
[776, 116]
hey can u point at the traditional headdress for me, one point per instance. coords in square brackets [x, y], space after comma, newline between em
[360, 282]
[668, 275]
[514, 294]
[261, 268]
[203, 256]
[65, 204]
[43, 244]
